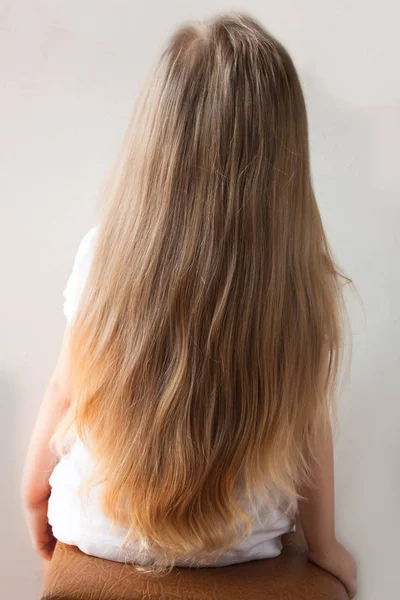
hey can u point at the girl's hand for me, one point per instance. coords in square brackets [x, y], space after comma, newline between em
[338, 561]
[40, 531]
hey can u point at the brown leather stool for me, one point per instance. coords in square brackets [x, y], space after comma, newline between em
[72, 575]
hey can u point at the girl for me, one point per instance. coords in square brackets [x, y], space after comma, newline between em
[188, 418]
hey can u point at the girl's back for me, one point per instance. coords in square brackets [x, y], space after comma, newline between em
[81, 522]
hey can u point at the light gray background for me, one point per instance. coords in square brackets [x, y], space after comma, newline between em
[70, 72]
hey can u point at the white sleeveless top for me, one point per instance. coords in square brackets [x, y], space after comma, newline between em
[81, 522]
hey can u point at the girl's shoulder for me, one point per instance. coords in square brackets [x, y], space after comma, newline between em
[78, 275]
[87, 242]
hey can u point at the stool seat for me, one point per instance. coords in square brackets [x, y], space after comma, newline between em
[73, 575]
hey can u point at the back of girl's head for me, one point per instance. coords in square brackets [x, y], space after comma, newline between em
[205, 352]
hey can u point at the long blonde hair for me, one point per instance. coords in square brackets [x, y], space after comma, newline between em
[206, 349]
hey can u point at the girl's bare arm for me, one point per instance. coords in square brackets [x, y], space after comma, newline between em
[40, 460]
[317, 511]
[317, 517]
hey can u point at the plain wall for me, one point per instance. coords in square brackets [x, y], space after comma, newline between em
[70, 72]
